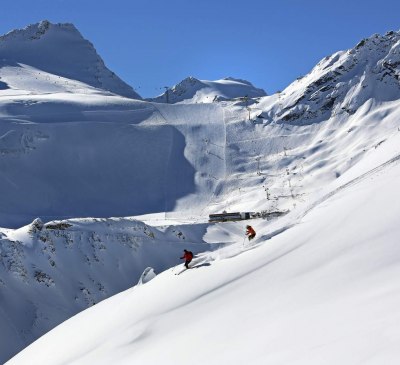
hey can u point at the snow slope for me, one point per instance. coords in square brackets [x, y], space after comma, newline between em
[320, 291]
[192, 90]
[320, 149]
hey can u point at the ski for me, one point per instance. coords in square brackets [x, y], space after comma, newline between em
[180, 272]
[195, 266]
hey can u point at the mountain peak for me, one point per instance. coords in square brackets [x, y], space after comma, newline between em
[60, 49]
[38, 30]
[193, 90]
[342, 82]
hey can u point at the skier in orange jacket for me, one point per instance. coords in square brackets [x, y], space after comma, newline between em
[250, 232]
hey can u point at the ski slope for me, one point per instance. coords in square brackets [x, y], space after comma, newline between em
[184, 160]
[320, 289]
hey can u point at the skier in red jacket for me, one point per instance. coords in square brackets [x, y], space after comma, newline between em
[188, 256]
[250, 232]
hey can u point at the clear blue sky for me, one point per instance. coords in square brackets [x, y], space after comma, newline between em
[156, 43]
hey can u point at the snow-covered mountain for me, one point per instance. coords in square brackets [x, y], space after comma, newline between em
[192, 90]
[49, 58]
[325, 151]
[342, 83]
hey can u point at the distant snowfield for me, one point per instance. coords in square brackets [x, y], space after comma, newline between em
[123, 185]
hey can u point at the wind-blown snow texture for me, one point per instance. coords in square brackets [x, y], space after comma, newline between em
[315, 286]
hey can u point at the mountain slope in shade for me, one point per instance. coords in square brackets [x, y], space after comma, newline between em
[192, 90]
[59, 49]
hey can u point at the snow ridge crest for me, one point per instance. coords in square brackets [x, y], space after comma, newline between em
[37, 30]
